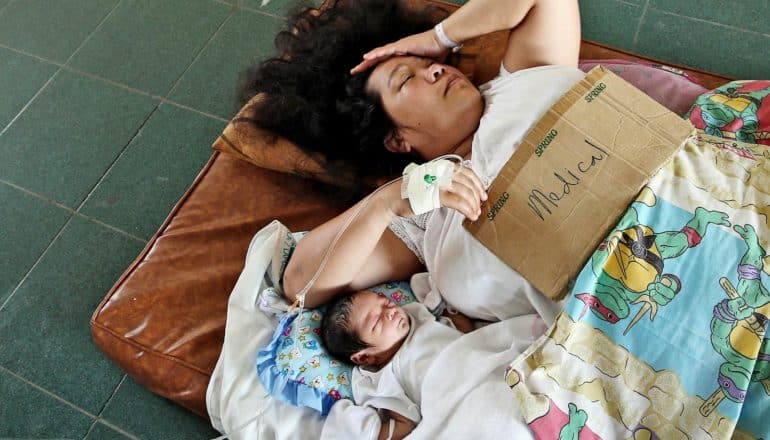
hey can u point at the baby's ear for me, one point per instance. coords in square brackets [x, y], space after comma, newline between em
[364, 357]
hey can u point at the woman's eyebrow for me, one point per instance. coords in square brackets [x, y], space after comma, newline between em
[393, 72]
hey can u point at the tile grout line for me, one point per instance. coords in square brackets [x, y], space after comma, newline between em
[641, 21]
[93, 32]
[247, 8]
[45, 391]
[90, 428]
[624, 2]
[118, 157]
[127, 145]
[55, 74]
[112, 396]
[97, 418]
[194, 110]
[32, 99]
[268, 14]
[72, 211]
[118, 429]
[200, 52]
[34, 265]
[715, 23]
[101, 420]
[116, 84]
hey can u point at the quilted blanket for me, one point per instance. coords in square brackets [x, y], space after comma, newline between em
[664, 332]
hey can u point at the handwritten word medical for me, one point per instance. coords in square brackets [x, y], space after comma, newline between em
[541, 202]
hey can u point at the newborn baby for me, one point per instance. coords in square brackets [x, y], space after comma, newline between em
[392, 347]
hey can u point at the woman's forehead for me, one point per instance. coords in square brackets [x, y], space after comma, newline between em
[383, 71]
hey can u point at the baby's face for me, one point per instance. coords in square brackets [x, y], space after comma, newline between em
[378, 321]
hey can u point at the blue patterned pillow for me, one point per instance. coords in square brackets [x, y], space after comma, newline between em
[295, 367]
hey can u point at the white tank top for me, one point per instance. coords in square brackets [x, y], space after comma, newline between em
[461, 270]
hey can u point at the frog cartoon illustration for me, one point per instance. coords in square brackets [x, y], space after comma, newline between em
[739, 325]
[545, 418]
[730, 103]
[629, 264]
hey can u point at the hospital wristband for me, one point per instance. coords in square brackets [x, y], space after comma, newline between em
[445, 40]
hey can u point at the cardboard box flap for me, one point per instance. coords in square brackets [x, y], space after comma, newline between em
[573, 176]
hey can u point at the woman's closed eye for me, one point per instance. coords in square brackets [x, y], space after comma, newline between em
[403, 83]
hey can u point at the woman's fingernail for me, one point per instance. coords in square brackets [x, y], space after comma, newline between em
[484, 196]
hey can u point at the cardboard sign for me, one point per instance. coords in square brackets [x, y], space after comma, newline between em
[573, 176]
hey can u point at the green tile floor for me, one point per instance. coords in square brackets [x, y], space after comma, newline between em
[107, 111]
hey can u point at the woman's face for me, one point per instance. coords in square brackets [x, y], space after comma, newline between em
[435, 108]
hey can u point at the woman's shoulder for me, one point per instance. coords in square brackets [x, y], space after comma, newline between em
[513, 103]
[541, 76]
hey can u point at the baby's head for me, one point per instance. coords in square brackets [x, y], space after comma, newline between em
[364, 328]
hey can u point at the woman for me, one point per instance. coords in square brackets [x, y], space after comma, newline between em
[435, 110]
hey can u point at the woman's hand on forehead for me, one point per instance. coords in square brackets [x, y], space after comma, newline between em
[423, 44]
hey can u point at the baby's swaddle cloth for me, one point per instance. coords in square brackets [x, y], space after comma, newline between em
[235, 396]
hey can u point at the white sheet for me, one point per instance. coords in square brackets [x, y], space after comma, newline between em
[235, 396]
[464, 392]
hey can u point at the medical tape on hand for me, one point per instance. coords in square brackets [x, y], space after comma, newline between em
[422, 183]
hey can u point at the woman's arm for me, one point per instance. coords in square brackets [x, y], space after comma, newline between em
[368, 253]
[549, 35]
[544, 32]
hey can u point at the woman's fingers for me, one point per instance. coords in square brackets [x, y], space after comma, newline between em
[465, 194]
[455, 201]
[375, 57]
[422, 44]
[463, 198]
[469, 178]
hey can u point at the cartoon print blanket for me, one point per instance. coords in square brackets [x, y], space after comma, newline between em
[664, 332]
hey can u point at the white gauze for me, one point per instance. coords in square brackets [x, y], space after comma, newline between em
[421, 184]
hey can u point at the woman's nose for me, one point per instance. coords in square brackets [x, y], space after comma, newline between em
[435, 71]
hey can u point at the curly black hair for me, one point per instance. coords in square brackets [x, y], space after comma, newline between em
[309, 95]
[340, 340]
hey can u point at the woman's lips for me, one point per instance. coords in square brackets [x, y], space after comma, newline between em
[452, 80]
